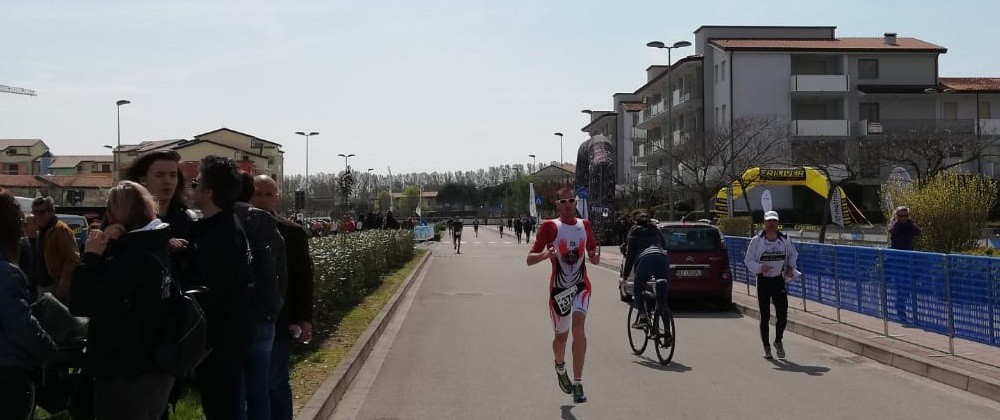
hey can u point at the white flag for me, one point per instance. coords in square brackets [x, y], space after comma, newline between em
[581, 206]
[836, 212]
[765, 201]
[420, 201]
[532, 209]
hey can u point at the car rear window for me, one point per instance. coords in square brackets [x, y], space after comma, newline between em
[700, 239]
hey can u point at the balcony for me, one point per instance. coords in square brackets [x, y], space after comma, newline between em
[918, 126]
[651, 112]
[638, 134]
[685, 98]
[637, 163]
[821, 128]
[820, 83]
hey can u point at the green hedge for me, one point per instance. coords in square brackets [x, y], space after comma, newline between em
[349, 266]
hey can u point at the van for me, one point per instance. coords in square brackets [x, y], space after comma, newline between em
[699, 262]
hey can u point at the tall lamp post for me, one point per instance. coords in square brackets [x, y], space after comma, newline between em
[115, 152]
[670, 106]
[346, 168]
[561, 161]
[534, 163]
[307, 135]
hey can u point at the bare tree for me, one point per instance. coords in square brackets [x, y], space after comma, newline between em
[710, 161]
[929, 147]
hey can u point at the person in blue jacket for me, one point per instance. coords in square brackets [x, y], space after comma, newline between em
[24, 345]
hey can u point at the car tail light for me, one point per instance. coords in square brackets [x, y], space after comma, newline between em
[727, 275]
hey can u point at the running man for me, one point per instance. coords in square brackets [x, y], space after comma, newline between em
[772, 257]
[456, 238]
[500, 225]
[564, 241]
[475, 226]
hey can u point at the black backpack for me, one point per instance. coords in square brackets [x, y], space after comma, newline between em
[263, 268]
[183, 339]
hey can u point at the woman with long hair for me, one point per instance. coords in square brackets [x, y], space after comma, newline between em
[120, 284]
[24, 346]
[159, 171]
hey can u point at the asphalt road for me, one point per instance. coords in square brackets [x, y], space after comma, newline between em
[472, 340]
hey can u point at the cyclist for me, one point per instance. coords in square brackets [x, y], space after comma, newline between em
[456, 237]
[645, 250]
[475, 226]
[563, 242]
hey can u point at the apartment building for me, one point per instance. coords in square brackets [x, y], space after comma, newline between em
[21, 156]
[254, 154]
[841, 91]
[79, 165]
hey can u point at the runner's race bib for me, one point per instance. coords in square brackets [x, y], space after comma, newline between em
[563, 299]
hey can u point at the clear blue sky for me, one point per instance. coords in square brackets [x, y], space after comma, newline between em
[415, 85]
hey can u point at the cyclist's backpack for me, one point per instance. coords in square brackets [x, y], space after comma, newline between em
[183, 339]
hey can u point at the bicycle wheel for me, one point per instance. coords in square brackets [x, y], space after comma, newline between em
[665, 335]
[637, 339]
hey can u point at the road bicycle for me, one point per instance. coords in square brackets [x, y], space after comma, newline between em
[659, 328]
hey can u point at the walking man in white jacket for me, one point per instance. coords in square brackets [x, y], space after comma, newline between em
[771, 256]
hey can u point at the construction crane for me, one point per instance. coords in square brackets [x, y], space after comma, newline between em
[17, 90]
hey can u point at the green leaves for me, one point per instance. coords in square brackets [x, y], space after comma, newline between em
[349, 266]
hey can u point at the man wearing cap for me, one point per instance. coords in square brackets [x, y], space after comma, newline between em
[772, 256]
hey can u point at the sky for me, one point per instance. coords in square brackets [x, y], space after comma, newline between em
[415, 86]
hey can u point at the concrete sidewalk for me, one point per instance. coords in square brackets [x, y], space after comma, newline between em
[975, 367]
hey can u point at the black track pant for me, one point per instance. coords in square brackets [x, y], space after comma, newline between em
[772, 289]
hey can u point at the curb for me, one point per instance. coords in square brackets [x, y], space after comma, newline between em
[919, 365]
[322, 403]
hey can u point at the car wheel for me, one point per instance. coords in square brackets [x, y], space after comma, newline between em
[724, 305]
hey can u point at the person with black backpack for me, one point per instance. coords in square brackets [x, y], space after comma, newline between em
[219, 261]
[119, 285]
[270, 276]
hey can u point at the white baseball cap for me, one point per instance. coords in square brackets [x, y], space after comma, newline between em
[771, 215]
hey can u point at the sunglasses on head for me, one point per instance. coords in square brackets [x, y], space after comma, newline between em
[566, 200]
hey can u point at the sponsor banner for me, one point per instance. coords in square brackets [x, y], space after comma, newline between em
[423, 233]
[783, 174]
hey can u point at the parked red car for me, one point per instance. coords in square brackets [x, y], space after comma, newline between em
[699, 262]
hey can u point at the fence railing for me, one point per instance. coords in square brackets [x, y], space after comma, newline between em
[951, 294]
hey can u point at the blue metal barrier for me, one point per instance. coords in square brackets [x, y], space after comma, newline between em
[950, 294]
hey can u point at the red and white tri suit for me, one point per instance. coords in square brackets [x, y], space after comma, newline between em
[569, 285]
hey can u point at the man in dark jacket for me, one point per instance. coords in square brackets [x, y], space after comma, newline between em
[219, 260]
[270, 281]
[296, 319]
[902, 229]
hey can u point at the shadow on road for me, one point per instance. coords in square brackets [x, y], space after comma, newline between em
[672, 367]
[789, 366]
[566, 413]
[702, 310]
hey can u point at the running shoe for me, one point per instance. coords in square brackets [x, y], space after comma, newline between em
[767, 353]
[578, 396]
[564, 384]
[779, 349]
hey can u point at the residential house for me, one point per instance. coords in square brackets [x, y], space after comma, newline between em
[81, 165]
[21, 156]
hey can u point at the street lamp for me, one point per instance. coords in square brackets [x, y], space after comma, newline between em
[346, 168]
[670, 106]
[307, 135]
[534, 163]
[560, 147]
[115, 152]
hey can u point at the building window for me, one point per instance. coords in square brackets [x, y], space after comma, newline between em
[984, 110]
[716, 73]
[949, 110]
[11, 152]
[868, 111]
[722, 70]
[106, 168]
[868, 68]
[723, 113]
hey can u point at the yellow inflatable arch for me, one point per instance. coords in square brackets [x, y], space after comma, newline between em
[807, 176]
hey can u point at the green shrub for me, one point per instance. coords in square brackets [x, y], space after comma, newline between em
[734, 226]
[950, 208]
[348, 266]
[985, 252]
